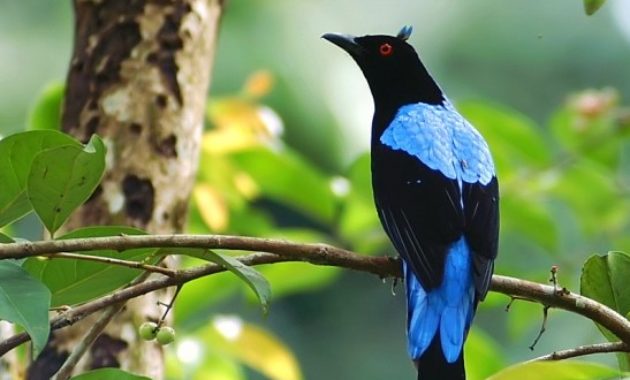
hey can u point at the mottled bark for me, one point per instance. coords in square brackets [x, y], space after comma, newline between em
[138, 78]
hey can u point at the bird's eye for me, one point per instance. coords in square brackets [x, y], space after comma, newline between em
[386, 49]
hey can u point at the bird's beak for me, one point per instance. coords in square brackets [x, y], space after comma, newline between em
[346, 42]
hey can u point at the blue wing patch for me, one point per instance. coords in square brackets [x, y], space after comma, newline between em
[443, 140]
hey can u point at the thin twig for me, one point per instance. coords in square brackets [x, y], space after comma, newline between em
[86, 342]
[513, 299]
[112, 261]
[598, 348]
[169, 305]
[543, 325]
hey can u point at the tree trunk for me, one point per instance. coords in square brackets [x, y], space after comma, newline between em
[138, 78]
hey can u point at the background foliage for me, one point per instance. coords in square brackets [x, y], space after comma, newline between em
[285, 156]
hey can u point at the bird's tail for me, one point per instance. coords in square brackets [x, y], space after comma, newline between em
[438, 320]
[433, 366]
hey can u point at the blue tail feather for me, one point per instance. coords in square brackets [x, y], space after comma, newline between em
[449, 308]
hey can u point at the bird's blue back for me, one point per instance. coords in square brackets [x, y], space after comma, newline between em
[442, 139]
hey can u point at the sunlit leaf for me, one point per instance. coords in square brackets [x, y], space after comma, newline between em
[16, 156]
[252, 346]
[109, 374]
[24, 301]
[46, 112]
[62, 178]
[605, 279]
[227, 140]
[74, 281]
[212, 207]
[239, 123]
[557, 370]
[591, 6]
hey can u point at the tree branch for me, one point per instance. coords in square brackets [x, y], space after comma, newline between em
[598, 348]
[279, 251]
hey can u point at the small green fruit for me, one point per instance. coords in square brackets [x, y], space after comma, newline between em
[165, 335]
[148, 330]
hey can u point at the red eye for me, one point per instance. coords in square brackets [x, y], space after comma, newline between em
[385, 50]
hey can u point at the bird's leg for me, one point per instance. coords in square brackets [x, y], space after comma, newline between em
[394, 284]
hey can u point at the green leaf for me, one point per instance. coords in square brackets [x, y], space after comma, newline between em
[591, 6]
[75, 281]
[250, 276]
[197, 296]
[62, 178]
[288, 179]
[558, 370]
[46, 112]
[16, 156]
[530, 217]
[591, 191]
[605, 279]
[25, 301]
[109, 374]
[483, 355]
[304, 277]
[4, 239]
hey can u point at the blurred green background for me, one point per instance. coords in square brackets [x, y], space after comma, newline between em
[517, 70]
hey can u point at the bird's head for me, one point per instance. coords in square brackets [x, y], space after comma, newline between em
[392, 68]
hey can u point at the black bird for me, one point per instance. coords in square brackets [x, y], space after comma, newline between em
[437, 197]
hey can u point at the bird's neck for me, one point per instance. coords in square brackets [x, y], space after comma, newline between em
[397, 92]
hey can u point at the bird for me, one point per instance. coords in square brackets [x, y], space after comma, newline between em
[437, 197]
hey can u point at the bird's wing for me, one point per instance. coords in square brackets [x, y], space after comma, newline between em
[481, 213]
[431, 187]
[420, 211]
[480, 199]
